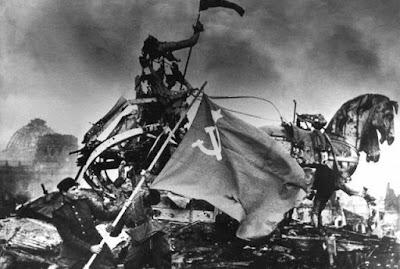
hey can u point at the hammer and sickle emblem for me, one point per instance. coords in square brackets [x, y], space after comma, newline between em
[212, 131]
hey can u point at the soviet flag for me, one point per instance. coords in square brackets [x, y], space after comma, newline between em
[235, 167]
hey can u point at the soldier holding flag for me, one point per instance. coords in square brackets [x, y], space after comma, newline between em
[74, 221]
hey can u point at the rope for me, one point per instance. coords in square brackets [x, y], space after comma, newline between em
[250, 97]
[247, 114]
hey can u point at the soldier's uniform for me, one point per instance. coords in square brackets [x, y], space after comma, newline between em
[326, 182]
[149, 242]
[74, 221]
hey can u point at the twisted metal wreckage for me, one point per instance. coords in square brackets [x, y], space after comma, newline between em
[129, 137]
[132, 132]
[137, 138]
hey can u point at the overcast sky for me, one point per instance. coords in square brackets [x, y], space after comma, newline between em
[67, 62]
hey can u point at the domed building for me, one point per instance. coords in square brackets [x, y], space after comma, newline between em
[23, 144]
[35, 157]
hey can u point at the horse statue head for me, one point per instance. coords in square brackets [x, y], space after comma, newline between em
[359, 120]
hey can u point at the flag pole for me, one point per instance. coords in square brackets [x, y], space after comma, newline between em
[145, 173]
[189, 54]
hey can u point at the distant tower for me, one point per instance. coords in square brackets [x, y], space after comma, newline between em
[391, 200]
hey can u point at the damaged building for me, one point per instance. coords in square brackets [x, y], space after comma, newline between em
[34, 159]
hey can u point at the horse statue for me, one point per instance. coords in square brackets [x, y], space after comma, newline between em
[359, 120]
[333, 154]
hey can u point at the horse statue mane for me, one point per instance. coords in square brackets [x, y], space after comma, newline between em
[359, 120]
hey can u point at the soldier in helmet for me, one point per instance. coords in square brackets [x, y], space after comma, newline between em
[149, 242]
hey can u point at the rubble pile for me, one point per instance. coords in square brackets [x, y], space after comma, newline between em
[296, 245]
[26, 241]
[203, 245]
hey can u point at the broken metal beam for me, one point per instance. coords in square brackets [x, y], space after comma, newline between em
[142, 101]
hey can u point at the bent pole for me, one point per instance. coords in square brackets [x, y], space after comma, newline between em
[144, 175]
